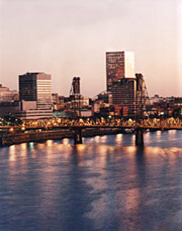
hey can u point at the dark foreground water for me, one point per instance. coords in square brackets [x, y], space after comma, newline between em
[104, 184]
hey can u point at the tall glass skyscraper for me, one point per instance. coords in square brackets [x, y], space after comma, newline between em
[119, 64]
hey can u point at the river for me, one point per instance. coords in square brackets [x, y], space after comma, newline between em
[105, 184]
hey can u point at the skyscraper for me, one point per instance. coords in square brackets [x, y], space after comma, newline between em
[119, 64]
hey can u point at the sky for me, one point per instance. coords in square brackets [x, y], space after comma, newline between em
[67, 38]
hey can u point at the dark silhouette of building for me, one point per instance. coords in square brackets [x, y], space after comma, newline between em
[124, 94]
[76, 85]
[75, 95]
[141, 95]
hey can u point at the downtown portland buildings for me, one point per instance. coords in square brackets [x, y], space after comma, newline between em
[122, 82]
[35, 96]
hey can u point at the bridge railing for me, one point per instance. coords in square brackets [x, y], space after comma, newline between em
[156, 123]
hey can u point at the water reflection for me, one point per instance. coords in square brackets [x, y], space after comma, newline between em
[49, 143]
[159, 133]
[24, 150]
[12, 153]
[81, 148]
[107, 184]
[119, 138]
[65, 141]
[133, 139]
[31, 145]
[172, 132]
[97, 139]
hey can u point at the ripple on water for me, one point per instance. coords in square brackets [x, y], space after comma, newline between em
[105, 184]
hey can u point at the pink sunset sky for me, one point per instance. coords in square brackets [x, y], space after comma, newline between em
[67, 38]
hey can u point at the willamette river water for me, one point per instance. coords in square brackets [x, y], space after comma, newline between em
[105, 184]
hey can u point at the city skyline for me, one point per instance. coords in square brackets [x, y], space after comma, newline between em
[71, 38]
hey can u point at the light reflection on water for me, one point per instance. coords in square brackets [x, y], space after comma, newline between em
[104, 184]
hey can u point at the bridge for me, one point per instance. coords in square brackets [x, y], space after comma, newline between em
[79, 124]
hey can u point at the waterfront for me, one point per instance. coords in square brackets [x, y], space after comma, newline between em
[104, 184]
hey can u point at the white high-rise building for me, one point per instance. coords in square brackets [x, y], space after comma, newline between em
[129, 69]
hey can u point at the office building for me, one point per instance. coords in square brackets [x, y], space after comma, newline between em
[35, 95]
[119, 64]
[123, 94]
[36, 87]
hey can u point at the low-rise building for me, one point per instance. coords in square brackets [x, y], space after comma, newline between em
[7, 95]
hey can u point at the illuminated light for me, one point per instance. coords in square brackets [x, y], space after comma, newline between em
[31, 144]
[12, 148]
[81, 148]
[172, 132]
[103, 138]
[23, 146]
[11, 130]
[158, 133]
[111, 149]
[97, 139]
[147, 134]
[103, 149]
[154, 151]
[65, 141]
[133, 139]
[49, 143]
[22, 128]
[12, 153]
[119, 138]
[132, 149]
[24, 150]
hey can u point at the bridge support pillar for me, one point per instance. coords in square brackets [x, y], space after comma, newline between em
[78, 136]
[1, 141]
[139, 137]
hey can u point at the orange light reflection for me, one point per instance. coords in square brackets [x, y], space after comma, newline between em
[119, 138]
[49, 143]
[12, 153]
